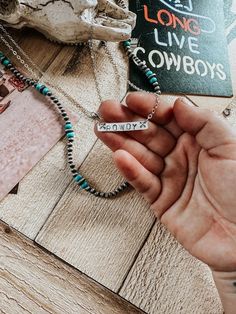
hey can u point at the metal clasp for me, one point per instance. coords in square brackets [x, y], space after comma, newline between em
[95, 115]
[227, 112]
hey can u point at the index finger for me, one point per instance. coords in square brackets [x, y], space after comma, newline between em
[143, 103]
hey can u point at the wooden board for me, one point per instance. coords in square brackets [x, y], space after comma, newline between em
[40, 50]
[34, 281]
[166, 279]
[99, 237]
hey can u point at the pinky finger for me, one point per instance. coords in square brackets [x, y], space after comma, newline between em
[145, 182]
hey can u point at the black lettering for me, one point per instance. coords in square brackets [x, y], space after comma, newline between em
[128, 126]
[102, 126]
[114, 127]
[143, 124]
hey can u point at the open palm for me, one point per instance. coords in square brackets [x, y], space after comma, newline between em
[185, 167]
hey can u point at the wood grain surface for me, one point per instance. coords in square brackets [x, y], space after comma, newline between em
[167, 279]
[99, 237]
[34, 281]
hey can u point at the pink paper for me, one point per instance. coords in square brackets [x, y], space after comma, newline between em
[29, 127]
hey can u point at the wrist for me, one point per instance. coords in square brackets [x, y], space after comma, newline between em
[226, 285]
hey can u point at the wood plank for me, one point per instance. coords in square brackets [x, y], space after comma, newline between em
[33, 281]
[166, 279]
[231, 118]
[42, 52]
[99, 237]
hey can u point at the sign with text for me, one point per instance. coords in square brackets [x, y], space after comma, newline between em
[184, 43]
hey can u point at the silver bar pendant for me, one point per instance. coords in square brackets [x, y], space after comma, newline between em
[123, 126]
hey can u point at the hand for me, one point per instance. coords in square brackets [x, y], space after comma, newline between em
[184, 165]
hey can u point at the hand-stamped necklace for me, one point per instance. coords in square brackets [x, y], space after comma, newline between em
[151, 76]
[104, 127]
[124, 126]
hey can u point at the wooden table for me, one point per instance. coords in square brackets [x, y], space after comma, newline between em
[54, 237]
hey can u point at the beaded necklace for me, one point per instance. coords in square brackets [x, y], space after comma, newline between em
[78, 178]
[70, 134]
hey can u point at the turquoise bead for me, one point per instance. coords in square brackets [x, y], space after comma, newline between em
[84, 185]
[149, 73]
[38, 86]
[6, 62]
[126, 43]
[45, 91]
[70, 134]
[68, 126]
[78, 178]
[153, 80]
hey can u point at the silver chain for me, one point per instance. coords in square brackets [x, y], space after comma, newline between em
[46, 78]
[123, 5]
[109, 54]
[92, 55]
[228, 110]
[150, 115]
[16, 54]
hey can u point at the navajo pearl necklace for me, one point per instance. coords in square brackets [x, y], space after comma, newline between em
[70, 134]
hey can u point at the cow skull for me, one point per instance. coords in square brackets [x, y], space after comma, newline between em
[70, 21]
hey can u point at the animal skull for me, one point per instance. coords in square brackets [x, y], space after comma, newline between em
[70, 21]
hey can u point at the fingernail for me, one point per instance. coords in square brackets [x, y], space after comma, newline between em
[187, 101]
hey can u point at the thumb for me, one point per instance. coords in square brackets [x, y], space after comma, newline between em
[208, 128]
